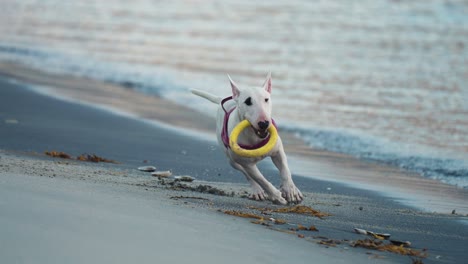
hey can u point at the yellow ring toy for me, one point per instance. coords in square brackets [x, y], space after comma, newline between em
[251, 153]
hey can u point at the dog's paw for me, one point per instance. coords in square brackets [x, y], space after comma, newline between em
[291, 193]
[277, 199]
[258, 194]
[280, 200]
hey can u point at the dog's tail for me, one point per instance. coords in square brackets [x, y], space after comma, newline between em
[213, 98]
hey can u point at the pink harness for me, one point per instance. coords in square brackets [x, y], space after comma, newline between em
[225, 134]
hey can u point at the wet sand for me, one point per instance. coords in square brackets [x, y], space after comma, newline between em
[427, 194]
[33, 123]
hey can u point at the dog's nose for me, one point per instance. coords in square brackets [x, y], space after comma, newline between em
[263, 124]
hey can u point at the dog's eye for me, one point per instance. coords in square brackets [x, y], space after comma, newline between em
[248, 101]
[267, 99]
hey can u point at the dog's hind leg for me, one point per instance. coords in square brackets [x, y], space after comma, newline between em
[257, 192]
[273, 194]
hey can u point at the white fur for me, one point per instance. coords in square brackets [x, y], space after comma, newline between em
[259, 111]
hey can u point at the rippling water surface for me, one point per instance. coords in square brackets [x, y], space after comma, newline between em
[381, 80]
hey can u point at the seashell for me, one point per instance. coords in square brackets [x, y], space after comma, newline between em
[147, 168]
[360, 231]
[384, 235]
[375, 235]
[162, 173]
[184, 178]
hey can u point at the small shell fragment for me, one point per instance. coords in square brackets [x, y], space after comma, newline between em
[384, 235]
[162, 174]
[184, 178]
[370, 233]
[374, 235]
[360, 231]
[147, 168]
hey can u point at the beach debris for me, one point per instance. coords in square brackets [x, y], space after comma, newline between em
[162, 174]
[243, 214]
[94, 158]
[184, 178]
[303, 228]
[260, 222]
[401, 243]
[211, 190]
[301, 209]
[147, 168]
[360, 231]
[82, 157]
[188, 197]
[417, 261]
[389, 247]
[300, 235]
[380, 236]
[277, 221]
[313, 228]
[57, 154]
[177, 185]
[329, 242]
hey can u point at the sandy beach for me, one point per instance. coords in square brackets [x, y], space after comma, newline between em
[369, 98]
[426, 194]
[59, 211]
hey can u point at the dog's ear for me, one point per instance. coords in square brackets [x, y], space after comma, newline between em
[267, 84]
[235, 89]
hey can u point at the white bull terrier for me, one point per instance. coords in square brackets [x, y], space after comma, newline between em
[253, 104]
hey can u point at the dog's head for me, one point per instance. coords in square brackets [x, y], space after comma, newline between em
[254, 104]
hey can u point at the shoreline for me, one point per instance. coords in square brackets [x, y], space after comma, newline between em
[44, 123]
[410, 188]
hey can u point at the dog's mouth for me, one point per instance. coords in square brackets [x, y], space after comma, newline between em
[261, 133]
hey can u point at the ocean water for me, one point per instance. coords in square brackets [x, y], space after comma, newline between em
[385, 81]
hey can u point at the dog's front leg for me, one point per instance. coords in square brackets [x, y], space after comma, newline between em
[273, 194]
[288, 188]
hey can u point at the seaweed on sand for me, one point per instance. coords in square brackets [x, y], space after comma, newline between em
[58, 154]
[82, 157]
[94, 158]
[243, 214]
[301, 209]
[381, 246]
[297, 209]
